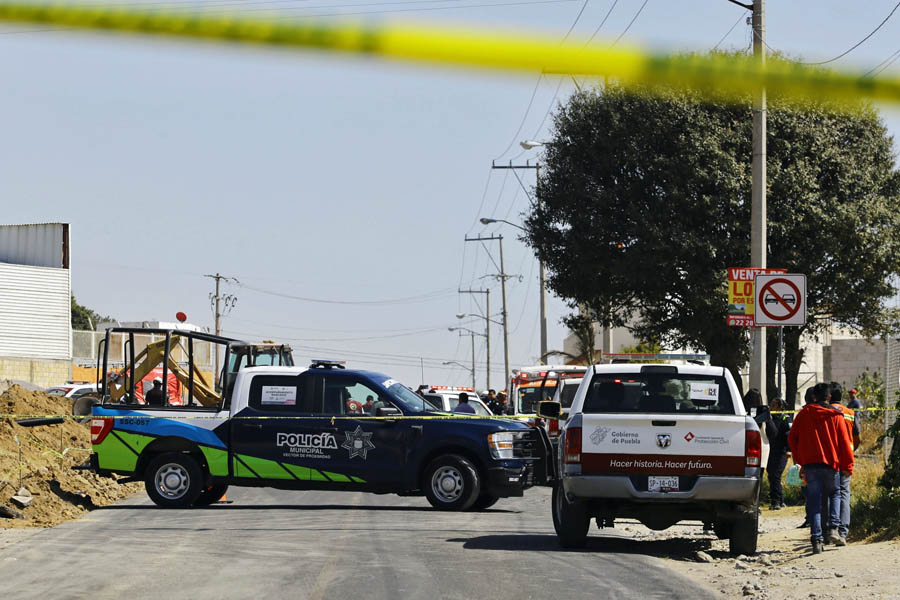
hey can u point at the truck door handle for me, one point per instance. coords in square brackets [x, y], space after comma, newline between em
[663, 423]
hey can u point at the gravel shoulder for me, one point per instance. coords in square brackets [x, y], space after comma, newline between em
[784, 567]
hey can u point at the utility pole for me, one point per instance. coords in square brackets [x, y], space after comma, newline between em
[542, 286]
[504, 313]
[758, 243]
[220, 305]
[474, 386]
[487, 329]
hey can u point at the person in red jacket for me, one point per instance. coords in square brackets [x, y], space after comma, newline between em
[820, 444]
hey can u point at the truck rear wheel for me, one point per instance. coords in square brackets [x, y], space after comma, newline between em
[743, 535]
[451, 482]
[173, 480]
[570, 519]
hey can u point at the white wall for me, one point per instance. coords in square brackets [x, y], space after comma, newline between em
[35, 312]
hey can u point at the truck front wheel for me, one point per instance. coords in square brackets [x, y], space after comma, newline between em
[451, 482]
[173, 480]
[570, 519]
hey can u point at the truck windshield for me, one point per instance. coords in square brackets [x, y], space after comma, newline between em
[408, 399]
[567, 393]
[658, 393]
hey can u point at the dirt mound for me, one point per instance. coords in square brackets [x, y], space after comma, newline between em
[48, 453]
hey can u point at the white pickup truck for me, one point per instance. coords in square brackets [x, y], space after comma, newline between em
[660, 443]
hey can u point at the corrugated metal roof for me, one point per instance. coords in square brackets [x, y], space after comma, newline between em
[35, 312]
[37, 245]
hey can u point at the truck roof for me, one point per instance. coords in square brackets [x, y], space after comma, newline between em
[297, 370]
[636, 368]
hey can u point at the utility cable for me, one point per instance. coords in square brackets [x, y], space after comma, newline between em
[602, 23]
[845, 52]
[859, 43]
[633, 19]
[886, 63]
[724, 37]
[427, 297]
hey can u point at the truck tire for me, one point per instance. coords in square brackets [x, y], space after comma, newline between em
[211, 495]
[484, 501]
[173, 480]
[451, 482]
[743, 536]
[570, 519]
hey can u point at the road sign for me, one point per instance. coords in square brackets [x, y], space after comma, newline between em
[780, 300]
[740, 294]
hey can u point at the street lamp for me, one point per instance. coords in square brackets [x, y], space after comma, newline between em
[530, 144]
[486, 221]
[470, 369]
[487, 337]
[542, 285]
[473, 334]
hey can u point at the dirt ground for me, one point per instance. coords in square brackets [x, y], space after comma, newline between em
[783, 568]
[48, 454]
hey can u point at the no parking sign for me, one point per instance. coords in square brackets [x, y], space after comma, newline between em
[780, 300]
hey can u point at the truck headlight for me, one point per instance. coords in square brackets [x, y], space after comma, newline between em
[502, 444]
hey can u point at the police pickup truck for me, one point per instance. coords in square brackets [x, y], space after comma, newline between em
[660, 443]
[321, 428]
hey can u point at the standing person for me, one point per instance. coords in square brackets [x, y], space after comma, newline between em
[777, 428]
[853, 401]
[503, 407]
[844, 481]
[154, 396]
[491, 401]
[464, 407]
[752, 403]
[821, 445]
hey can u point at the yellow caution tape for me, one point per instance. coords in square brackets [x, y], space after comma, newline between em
[285, 417]
[717, 75]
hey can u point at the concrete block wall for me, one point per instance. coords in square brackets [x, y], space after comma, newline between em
[846, 359]
[40, 372]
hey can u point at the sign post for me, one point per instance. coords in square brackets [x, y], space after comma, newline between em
[780, 300]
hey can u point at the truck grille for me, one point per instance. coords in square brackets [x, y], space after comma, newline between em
[528, 445]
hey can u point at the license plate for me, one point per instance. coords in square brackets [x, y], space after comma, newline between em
[662, 484]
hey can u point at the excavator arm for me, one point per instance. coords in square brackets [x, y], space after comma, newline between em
[150, 358]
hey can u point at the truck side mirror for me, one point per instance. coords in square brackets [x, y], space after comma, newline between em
[549, 410]
[387, 411]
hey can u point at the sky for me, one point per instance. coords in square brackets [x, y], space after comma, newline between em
[336, 192]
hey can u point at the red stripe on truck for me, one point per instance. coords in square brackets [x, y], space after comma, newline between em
[668, 464]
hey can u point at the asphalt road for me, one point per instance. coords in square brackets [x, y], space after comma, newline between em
[341, 545]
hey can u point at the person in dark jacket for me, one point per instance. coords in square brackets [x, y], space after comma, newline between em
[155, 396]
[777, 428]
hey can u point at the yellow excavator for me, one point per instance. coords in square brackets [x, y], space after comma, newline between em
[119, 385]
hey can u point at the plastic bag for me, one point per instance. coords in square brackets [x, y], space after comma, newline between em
[793, 476]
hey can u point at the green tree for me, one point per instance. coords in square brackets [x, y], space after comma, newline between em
[83, 318]
[645, 203]
[585, 336]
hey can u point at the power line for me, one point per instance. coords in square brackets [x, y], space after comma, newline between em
[724, 37]
[602, 23]
[524, 117]
[426, 297]
[633, 19]
[850, 49]
[859, 43]
[886, 62]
